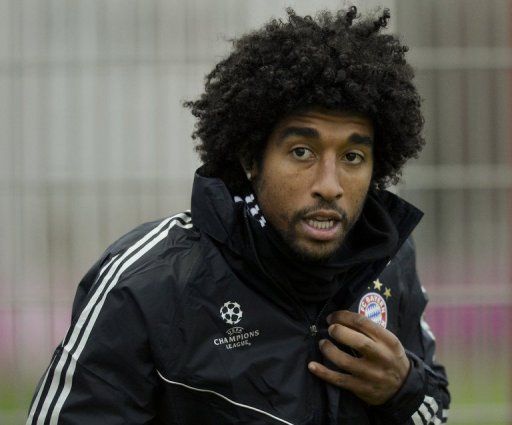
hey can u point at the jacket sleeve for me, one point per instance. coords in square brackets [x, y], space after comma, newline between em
[423, 398]
[102, 372]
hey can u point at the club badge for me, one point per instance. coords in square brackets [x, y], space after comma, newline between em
[373, 306]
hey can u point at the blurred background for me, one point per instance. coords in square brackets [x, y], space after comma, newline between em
[94, 141]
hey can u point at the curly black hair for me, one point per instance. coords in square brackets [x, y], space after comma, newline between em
[336, 61]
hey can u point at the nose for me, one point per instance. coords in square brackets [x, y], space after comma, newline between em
[327, 181]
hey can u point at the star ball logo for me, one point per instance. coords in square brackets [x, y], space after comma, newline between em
[231, 313]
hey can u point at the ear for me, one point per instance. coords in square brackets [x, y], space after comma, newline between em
[251, 170]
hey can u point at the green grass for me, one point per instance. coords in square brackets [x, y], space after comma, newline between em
[480, 387]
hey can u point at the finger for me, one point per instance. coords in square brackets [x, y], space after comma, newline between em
[359, 323]
[363, 344]
[366, 390]
[339, 379]
[343, 360]
[358, 367]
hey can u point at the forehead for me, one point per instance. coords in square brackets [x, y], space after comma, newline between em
[327, 121]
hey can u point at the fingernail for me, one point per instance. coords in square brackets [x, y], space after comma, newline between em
[321, 342]
[330, 329]
[311, 367]
[328, 318]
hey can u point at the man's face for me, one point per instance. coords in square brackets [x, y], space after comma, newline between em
[313, 179]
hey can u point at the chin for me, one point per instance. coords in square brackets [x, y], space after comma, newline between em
[315, 254]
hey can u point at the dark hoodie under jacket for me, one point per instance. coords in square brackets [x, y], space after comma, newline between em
[188, 320]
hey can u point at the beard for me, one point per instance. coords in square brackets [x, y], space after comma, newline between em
[316, 252]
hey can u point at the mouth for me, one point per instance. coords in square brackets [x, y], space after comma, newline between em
[322, 225]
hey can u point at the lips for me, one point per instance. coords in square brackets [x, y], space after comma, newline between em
[323, 219]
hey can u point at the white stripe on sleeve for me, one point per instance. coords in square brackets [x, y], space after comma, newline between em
[426, 414]
[417, 419]
[88, 316]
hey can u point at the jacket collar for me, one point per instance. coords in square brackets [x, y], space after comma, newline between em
[214, 209]
[215, 212]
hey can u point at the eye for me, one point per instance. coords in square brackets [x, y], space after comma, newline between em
[354, 157]
[301, 153]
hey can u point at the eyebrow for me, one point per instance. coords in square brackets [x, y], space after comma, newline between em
[300, 132]
[359, 139]
[356, 138]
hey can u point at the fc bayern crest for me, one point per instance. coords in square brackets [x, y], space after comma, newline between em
[373, 306]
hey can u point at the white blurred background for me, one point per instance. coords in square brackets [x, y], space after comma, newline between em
[94, 141]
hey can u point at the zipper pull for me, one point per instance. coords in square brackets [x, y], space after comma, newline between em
[313, 330]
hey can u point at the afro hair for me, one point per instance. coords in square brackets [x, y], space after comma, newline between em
[336, 61]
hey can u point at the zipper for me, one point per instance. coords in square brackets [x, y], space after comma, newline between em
[315, 325]
[313, 330]
[312, 327]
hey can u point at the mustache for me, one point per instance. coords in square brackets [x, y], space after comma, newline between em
[322, 205]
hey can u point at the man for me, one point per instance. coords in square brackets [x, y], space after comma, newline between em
[289, 294]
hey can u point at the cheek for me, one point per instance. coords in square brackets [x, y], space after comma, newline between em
[276, 197]
[278, 201]
[358, 195]
[290, 191]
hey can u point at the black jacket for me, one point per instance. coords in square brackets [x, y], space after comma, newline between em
[174, 326]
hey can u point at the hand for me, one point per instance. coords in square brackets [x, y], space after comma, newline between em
[380, 370]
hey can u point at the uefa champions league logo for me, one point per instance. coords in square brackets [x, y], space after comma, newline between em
[231, 312]
[236, 336]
